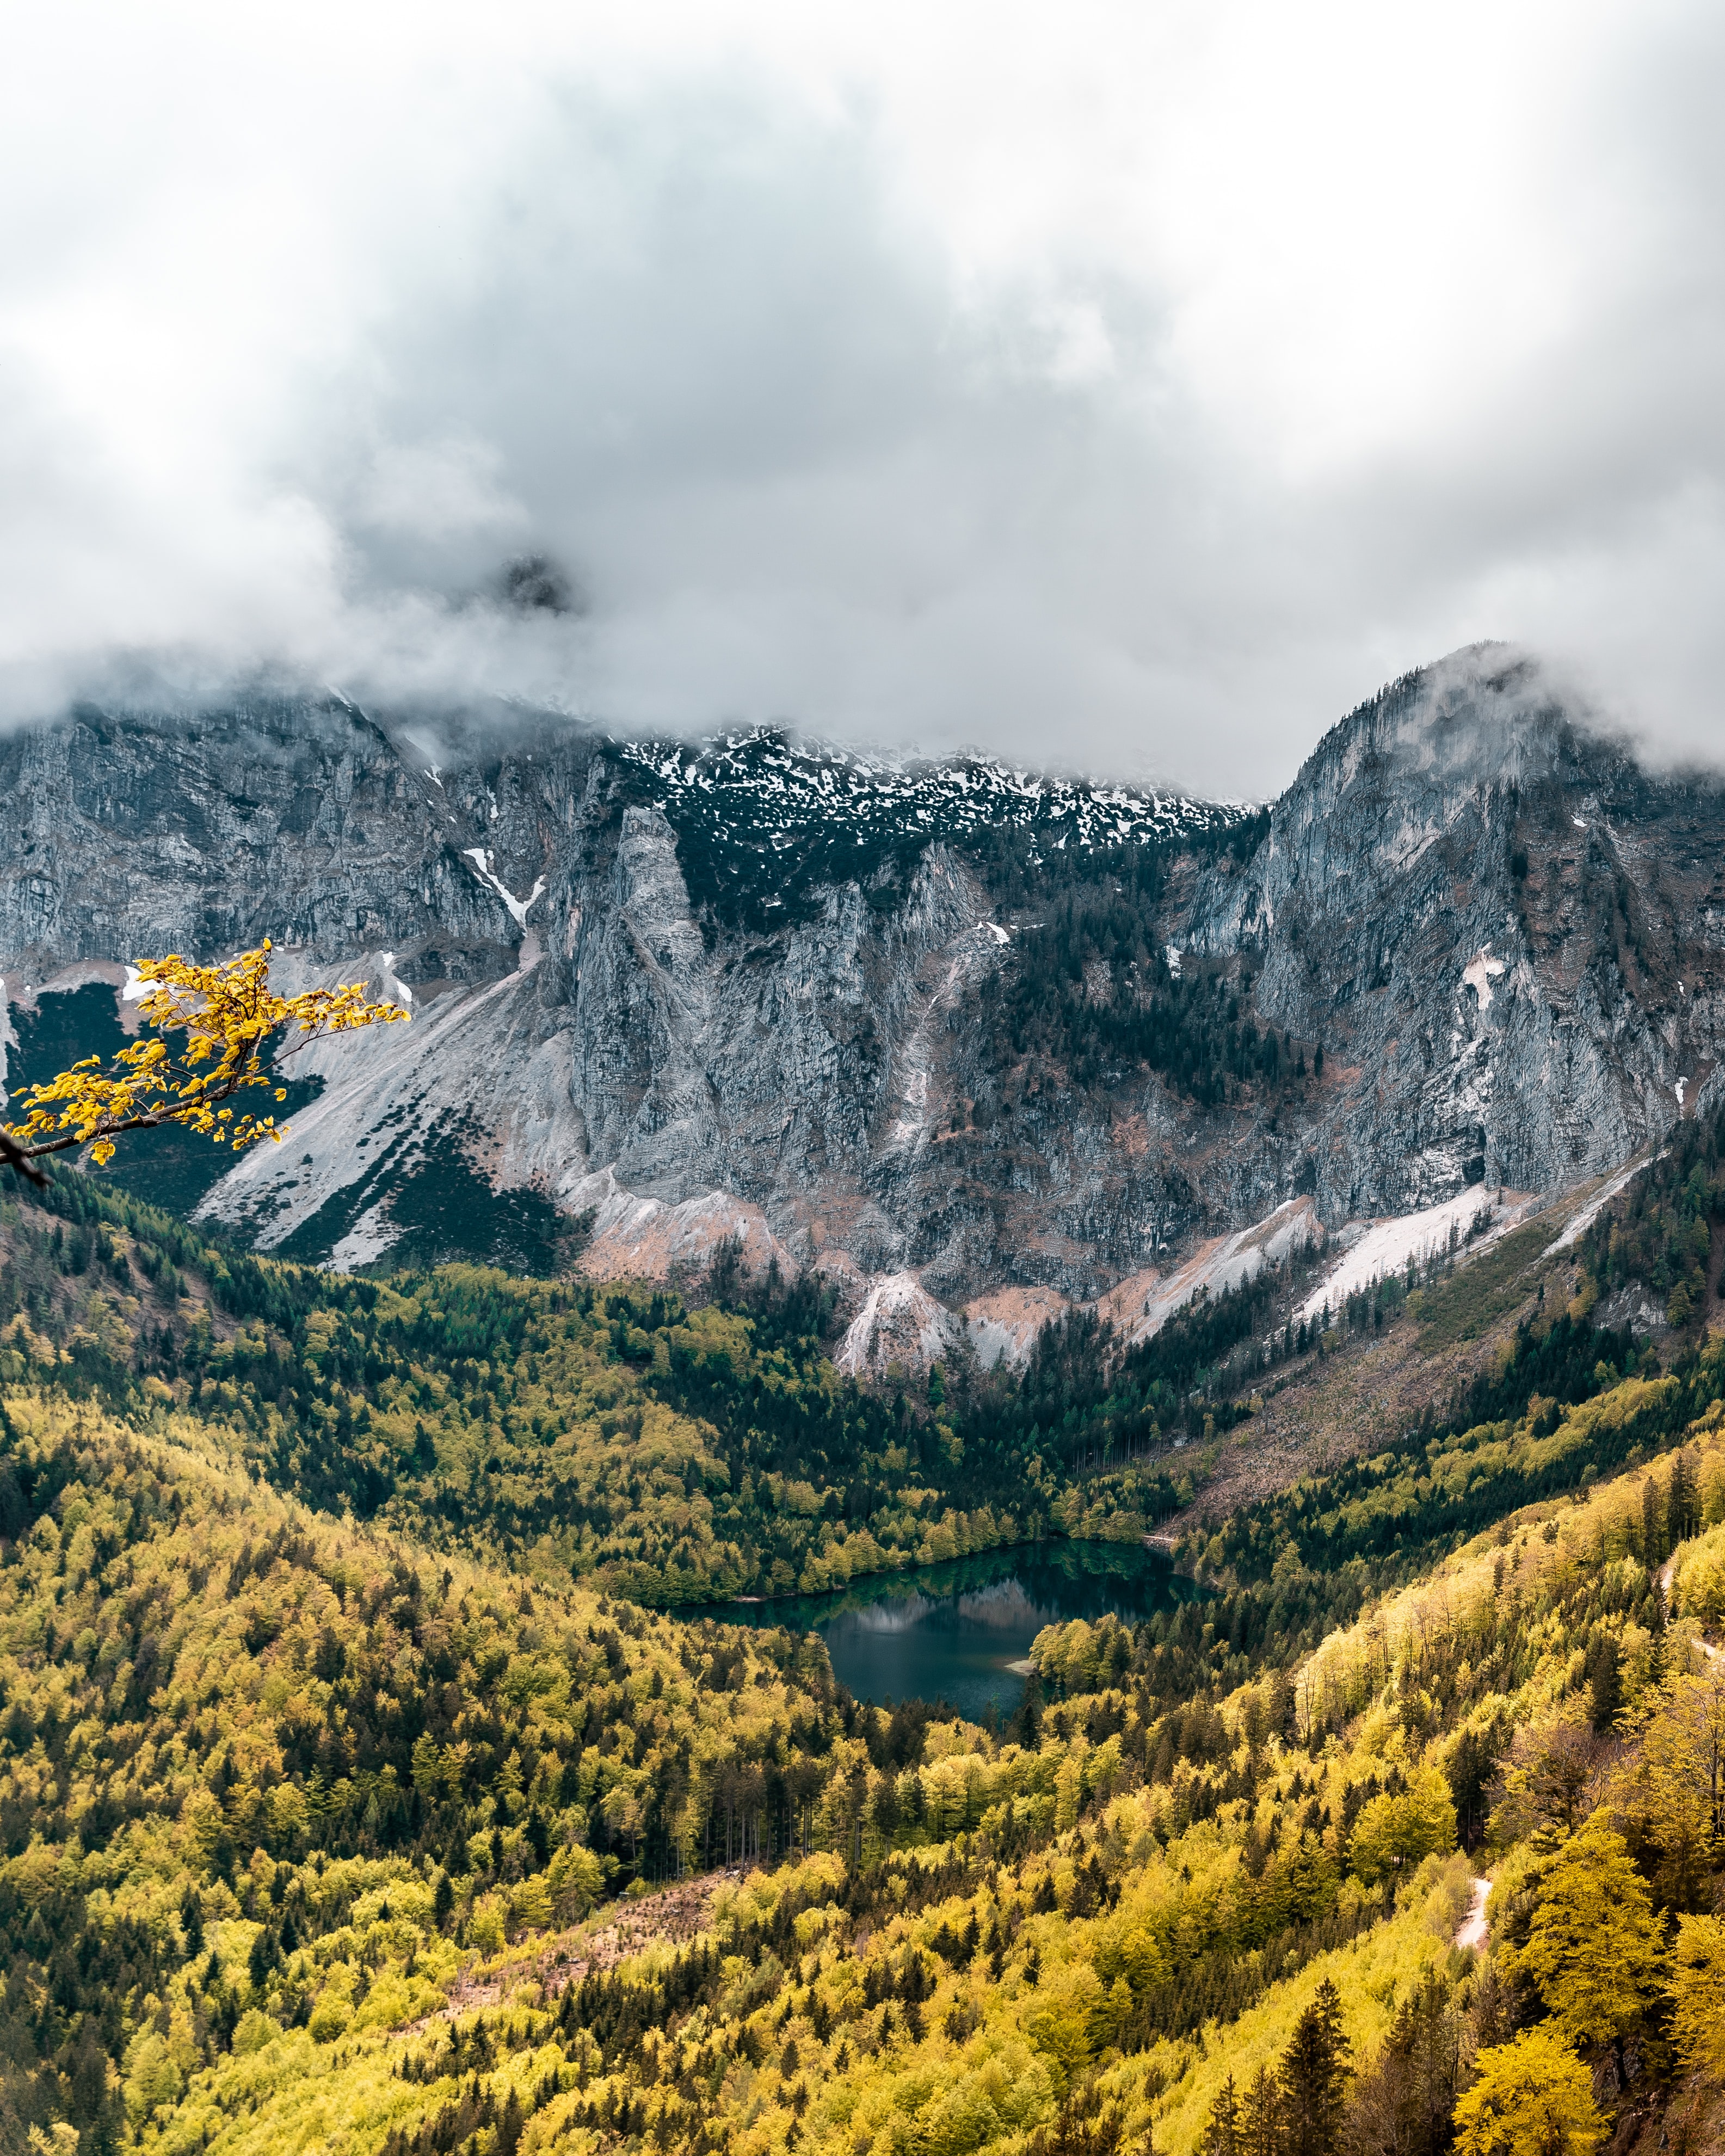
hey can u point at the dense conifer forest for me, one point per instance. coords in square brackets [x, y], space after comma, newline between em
[1090, 996]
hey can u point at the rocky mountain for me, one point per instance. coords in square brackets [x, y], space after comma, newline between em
[955, 1034]
[1510, 932]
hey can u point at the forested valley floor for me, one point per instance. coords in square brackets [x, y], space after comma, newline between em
[377, 1775]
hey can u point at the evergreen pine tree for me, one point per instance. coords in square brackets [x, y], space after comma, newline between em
[1221, 2134]
[1259, 2130]
[1314, 2078]
[1682, 1510]
[1652, 1524]
[1605, 1694]
[1402, 2104]
[509, 2126]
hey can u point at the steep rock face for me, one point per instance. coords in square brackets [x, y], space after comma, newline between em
[622, 1047]
[743, 994]
[298, 820]
[761, 1067]
[582, 1026]
[899, 1328]
[1510, 935]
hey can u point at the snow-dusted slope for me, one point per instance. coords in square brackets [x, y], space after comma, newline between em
[758, 789]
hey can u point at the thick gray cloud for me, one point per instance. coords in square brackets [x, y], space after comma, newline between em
[1135, 397]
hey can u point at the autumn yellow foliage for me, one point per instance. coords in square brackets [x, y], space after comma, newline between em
[1532, 2098]
[1698, 1994]
[229, 1014]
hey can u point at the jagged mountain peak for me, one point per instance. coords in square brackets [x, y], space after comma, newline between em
[939, 1017]
[1489, 713]
[1509, 928]
[1486, 740]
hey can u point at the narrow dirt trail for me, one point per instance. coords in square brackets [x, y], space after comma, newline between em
[1663, 1580]
[1472, 1930]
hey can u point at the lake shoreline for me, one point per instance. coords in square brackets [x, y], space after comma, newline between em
[961, 1632]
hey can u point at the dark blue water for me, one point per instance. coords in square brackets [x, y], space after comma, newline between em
[951, 1631]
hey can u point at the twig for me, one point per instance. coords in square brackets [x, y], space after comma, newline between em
[20, 1163]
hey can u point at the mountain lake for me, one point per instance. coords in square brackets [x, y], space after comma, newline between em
[959, 1632]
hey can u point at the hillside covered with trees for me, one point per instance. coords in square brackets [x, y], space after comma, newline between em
[677, 1455]
[309, 1832]
[375, 1776]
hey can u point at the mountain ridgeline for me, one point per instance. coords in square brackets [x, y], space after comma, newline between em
[998, 1030]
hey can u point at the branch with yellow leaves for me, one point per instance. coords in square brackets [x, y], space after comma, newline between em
[229, 1014]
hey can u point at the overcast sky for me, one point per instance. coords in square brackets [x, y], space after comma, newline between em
[1124, 385]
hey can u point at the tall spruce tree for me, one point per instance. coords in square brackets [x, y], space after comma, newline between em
[1314, 2078]
[1261, 2117]
[1682, 1511]
[1221, 2132]
[1653, 1511]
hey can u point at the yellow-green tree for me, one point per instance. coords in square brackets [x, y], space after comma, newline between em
[1698, 1994]
[229, 1016]
[1679, 1779]
[1533, 2097]
[1061, 2023]
[1594, 1945]
[1394, 1833]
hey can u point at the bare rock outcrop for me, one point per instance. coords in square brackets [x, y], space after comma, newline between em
[740, 994]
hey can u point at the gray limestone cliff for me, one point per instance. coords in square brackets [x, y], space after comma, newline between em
[1509, 936]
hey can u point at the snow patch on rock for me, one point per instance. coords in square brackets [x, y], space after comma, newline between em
[482, 857]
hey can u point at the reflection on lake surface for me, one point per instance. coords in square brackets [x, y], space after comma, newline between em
[951, 1631]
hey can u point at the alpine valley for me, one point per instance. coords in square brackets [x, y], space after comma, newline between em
[804, 1169]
